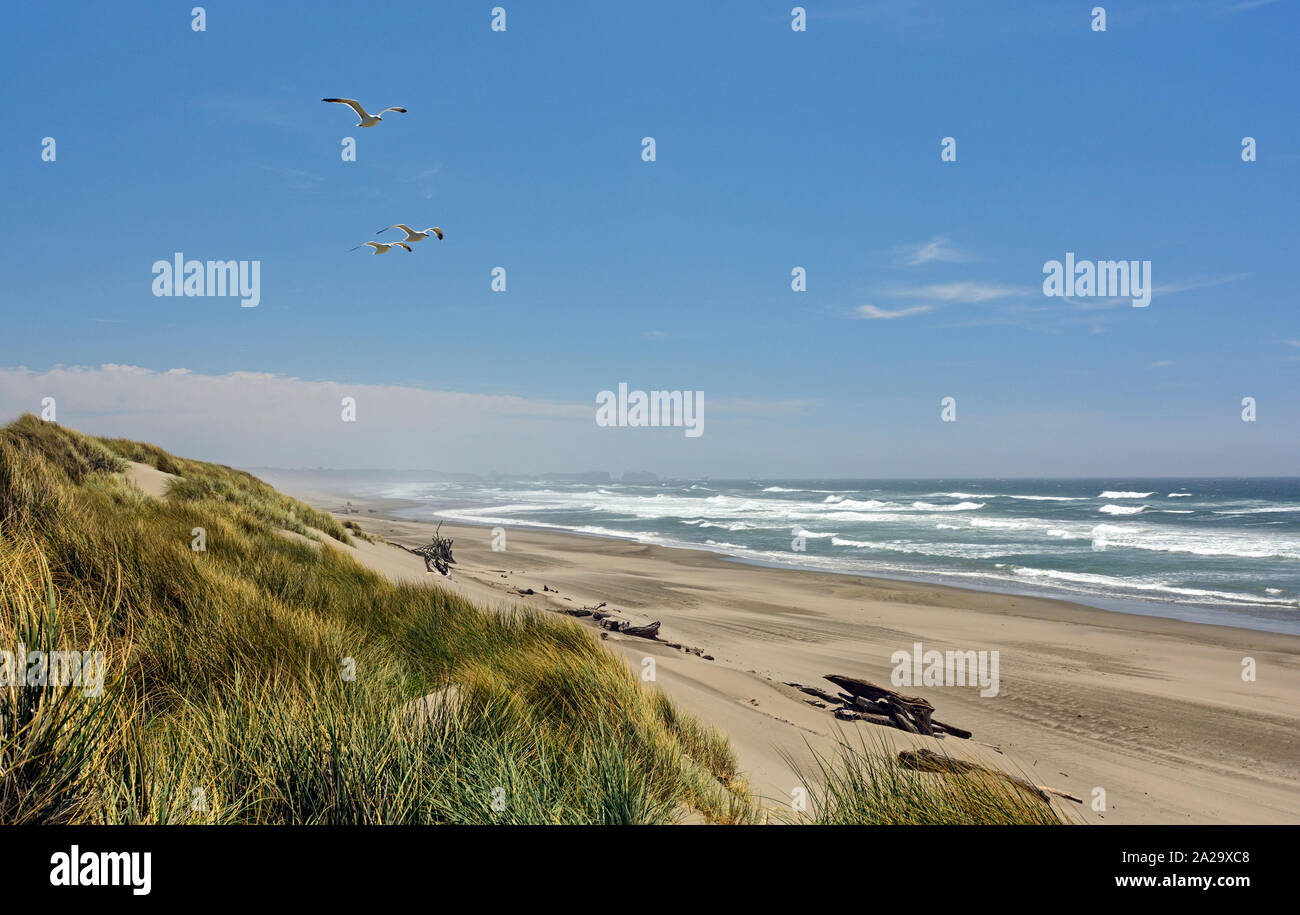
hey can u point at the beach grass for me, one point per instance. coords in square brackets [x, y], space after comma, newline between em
[264, 679]
[863, 783]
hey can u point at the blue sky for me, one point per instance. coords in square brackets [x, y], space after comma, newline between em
[775, 149]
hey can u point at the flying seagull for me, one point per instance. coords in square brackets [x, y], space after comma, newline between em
[367, 120]
[413, 236]
[381, 248]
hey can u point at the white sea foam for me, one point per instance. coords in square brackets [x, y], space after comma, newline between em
[1161, 588]
[864, 504]
[1006, 524]
[1120, 494]
[1122, 509]
[1207, 542]
[812, 534]
[1266, 510]
[922, 548]
[994, 495]
[729, 546]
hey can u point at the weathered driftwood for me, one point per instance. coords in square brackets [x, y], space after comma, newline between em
[950, 729]
[437, 555]
[868, 690]
[847, 714]
[911, 713]
[863, 700]
[930, 761]
[880, 708]
[814, 691]
[648, 631]
[583, 611]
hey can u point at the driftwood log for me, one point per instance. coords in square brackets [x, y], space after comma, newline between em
[930, 761]
[950, 729]
[585, 611]
[648, 631]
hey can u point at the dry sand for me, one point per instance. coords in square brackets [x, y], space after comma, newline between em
[1153, 711]
[149, 480]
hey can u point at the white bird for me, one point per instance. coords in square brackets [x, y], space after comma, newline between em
[413, 236]
[381, 248]
[367, 120]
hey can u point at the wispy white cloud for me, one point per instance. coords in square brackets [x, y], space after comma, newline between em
[937, 250]
[288, 115]
[1246, 5]
[1203, 282]
[872, 313]
[964, 292]
[295, 178]
[425, 180]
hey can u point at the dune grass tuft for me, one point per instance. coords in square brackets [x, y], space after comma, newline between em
[863, 783]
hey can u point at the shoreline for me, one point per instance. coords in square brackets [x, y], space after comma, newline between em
[1151, 710]
[1204, 614]
[1171, 610]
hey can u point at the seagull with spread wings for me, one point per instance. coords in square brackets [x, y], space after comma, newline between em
[413, 236]
[367, 120]
[381, 248]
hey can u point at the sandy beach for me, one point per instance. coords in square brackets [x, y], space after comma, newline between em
[1153, 711]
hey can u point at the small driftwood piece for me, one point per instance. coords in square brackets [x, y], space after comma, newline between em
[930, 761]
[814, 691]
[950, 729]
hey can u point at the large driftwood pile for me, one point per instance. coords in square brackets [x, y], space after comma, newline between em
[437, 555]
[863, 700]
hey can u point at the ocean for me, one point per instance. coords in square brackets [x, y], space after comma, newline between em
[1205, 550]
